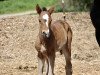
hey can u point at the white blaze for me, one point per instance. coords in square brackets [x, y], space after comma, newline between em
[46, 17]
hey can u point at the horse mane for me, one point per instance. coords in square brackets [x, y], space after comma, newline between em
[44, 9]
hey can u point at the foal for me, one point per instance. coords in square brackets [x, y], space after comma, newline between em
[52, 37]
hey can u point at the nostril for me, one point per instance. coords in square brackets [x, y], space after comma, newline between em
[43, 32]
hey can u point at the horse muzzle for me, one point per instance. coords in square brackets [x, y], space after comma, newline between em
[46, 33]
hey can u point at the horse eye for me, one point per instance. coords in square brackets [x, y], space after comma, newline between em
[39, 20]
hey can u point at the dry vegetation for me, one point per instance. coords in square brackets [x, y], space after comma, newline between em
[18, 55]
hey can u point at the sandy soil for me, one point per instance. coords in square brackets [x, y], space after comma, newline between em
[18, 55]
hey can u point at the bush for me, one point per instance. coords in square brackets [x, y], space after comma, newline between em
[2, 0]
[75, 5]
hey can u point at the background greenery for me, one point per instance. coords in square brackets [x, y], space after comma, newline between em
[75, 5]
[14, 6]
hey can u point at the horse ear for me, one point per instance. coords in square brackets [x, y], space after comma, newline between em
[51, 10]
[38, 9]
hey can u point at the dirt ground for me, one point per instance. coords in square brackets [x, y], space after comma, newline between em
[18, 55]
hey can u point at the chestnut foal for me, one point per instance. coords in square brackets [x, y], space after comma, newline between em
[52, 37]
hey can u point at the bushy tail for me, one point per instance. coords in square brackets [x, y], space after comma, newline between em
[63, 7]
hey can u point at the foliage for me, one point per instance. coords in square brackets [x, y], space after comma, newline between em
[13, 6]
[83, 4]
[75, 5]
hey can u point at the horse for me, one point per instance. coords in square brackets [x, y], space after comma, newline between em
[52, 37]
[95, 18]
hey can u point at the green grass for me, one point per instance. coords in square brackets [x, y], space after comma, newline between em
[15, 6]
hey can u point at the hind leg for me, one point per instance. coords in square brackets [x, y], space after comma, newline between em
[68, 66]
[67, 52]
